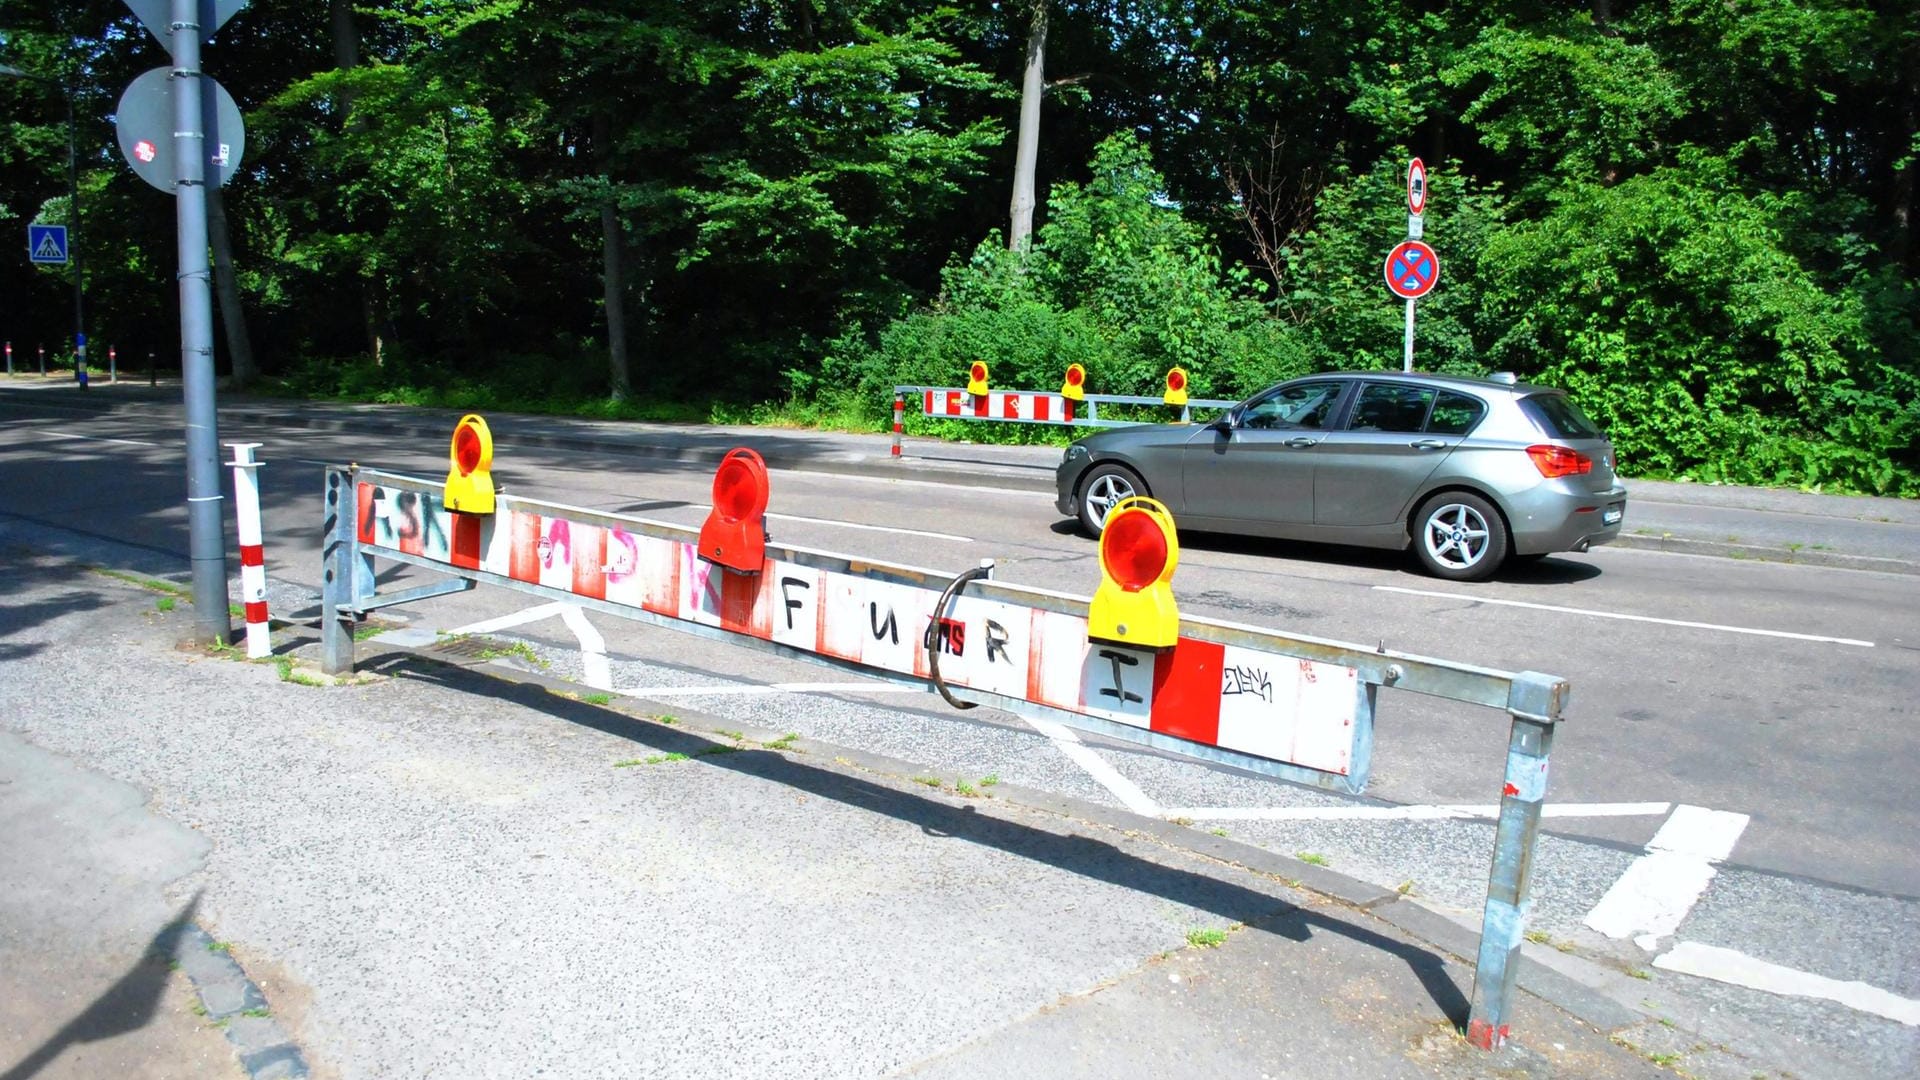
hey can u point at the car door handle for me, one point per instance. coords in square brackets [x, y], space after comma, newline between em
[1427, 444]
[1302, 444]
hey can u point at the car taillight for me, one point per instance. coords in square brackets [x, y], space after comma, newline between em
[1555, 461]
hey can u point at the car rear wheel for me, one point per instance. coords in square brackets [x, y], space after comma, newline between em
[1102, 490]
[1460, 537]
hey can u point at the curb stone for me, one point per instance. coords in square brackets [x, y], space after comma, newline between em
[264, 1048]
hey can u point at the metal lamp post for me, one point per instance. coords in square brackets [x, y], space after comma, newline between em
[73, 227]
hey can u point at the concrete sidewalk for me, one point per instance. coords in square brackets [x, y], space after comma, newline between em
[1779, 525]
[436, 871]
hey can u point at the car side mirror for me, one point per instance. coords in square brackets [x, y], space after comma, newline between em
[1224, 423]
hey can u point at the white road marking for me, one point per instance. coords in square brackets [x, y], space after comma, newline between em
[741, 689]
[1653, 897]
[518, 618]
[593, 647]
[874, 528]
[1739, 969]
[92, 438]
[1410, 813]
[1630, 618]
[1098, 768]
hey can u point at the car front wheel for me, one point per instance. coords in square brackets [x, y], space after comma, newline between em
[1460, 537]
[1102, 490]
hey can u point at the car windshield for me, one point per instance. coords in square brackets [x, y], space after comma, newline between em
[1559, 417]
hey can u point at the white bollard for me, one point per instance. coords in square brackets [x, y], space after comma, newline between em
[253, 563]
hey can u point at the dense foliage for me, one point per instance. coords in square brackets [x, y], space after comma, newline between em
[1697, 215]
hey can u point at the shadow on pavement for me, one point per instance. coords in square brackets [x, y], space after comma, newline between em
[1080, 855]
[128, 1005]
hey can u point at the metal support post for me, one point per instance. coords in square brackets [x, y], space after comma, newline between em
[9, 359]
[1408, 364]
[43, 360]
[253, 563]
[113, 364]
[1535, 705]
[342, 572]
[206, 541]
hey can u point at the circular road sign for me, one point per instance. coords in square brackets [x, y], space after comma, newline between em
[144, 124]
[1417, 186]
[1412, 269]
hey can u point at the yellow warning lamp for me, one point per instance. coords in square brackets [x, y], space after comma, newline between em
[977, 378]
[1176, 387]
[1138, 551]
[470, 481]
[1075, 387]
[735, 532]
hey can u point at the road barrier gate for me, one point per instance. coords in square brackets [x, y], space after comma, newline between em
[1297, 708]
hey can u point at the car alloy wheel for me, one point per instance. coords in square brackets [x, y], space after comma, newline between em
[1461, 537]
[1105, 487]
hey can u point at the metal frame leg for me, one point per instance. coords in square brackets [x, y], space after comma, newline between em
[341, 573]
[1503, 927]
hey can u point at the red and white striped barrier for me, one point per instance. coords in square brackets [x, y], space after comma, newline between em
[1233, 697]
[1032, 406]
[253, 562]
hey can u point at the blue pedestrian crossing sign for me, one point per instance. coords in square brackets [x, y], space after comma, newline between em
[47, 244]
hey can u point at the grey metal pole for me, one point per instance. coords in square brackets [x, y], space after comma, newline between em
[341, 576]
[206, 541]
[1409, 354]
[73, 249]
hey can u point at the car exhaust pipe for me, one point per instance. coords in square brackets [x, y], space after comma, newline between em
[1582, 546]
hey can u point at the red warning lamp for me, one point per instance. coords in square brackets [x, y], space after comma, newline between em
[1075, 386]
[735, 533]
[1176, 387]
[977, 378]
[470, 482]
[1138, 552]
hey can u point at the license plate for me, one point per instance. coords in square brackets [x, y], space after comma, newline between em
[1612, 516]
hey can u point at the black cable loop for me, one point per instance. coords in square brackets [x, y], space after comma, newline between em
[933, 639]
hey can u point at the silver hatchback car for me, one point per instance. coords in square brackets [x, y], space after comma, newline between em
[1469, 472]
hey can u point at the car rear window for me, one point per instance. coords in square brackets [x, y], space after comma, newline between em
[1559, 417]
[1391, 407]
[1455, 414]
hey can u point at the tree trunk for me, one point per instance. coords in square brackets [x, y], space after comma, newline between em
[619, 379]
[233, 318]
[1032, 86]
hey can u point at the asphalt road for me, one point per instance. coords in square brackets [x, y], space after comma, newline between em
[1777, 692]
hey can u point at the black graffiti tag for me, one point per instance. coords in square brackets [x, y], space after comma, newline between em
[1245, 680]
[889, 628]
[794, 605]
[1121, 661]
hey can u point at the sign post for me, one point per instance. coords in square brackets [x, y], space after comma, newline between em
[1413, 268]
[176, 141]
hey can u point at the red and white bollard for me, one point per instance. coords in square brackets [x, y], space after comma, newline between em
[253, 561]
[899, 411]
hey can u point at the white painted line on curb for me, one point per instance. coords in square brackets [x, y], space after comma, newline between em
[518, 618]
[1653, 897]
[1098, 768]
[94, 438]
[1629, 618]
[1410, 813]
[593, 648]
[743, 689]
[1739, 969]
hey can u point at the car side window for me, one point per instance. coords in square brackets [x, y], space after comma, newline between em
[1298, 405]
[1455, 414]
[1397, 407]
